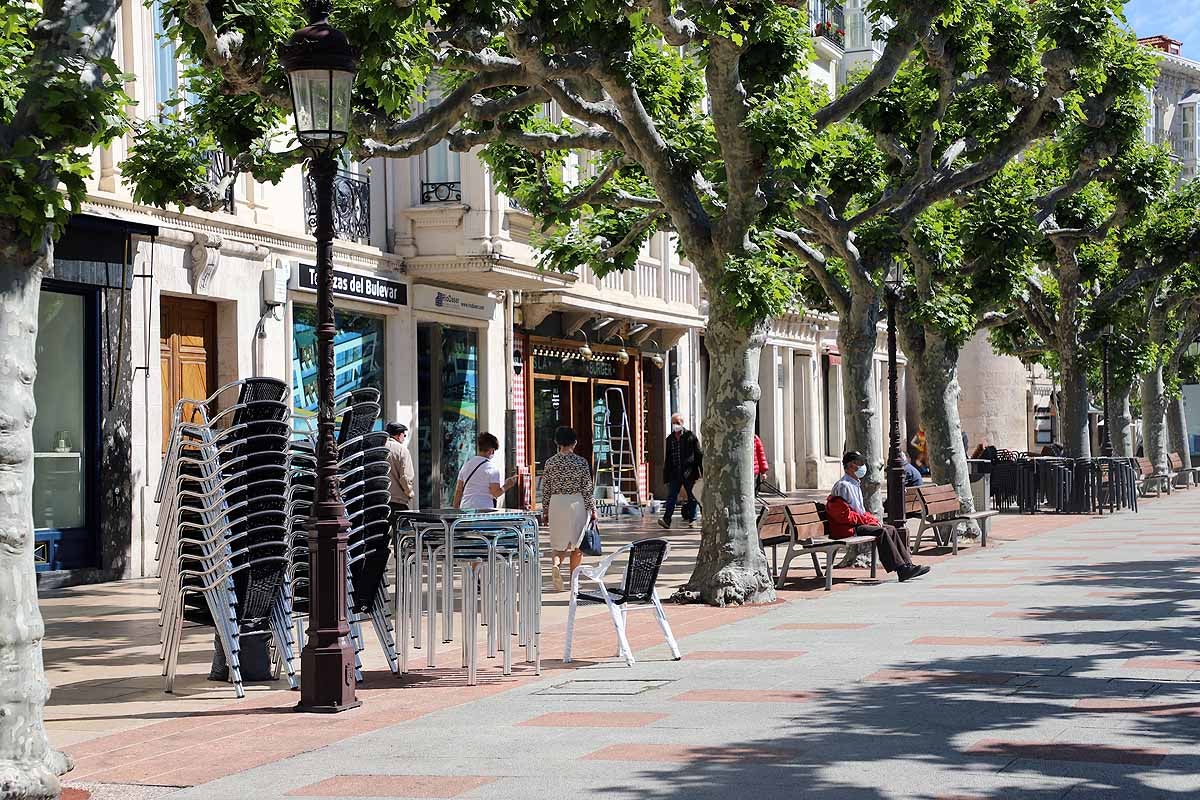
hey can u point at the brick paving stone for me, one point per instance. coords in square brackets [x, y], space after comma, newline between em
[414, 786]
[975, 641]
[1187, 665]
[743, 696]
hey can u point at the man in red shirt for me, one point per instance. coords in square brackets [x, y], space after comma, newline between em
[848, 517]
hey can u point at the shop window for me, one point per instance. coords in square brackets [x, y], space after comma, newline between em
[447, 408]
[60, 437]
[358, 356]
[832, 404]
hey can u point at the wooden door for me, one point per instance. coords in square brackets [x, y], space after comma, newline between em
[188, 350]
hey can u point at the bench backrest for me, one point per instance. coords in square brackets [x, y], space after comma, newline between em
[773, 523]
[912, 500]
[937, 500]
[1144, 465]
[808, 521]
[1175, 462]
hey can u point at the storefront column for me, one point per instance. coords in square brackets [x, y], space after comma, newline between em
[787, 478]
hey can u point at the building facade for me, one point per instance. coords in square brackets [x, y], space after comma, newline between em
[441, 306]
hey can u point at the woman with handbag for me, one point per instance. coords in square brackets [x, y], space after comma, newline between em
[567, 502]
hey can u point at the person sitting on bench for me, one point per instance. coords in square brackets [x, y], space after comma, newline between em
[848, 517]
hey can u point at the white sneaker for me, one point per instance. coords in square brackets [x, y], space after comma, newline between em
[556, 578]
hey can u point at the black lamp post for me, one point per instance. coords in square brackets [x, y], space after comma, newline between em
[321, 66]
[893, 282]
[1106, 445]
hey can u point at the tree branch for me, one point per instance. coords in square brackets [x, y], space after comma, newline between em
[742, 156]
[634, 235]
[818, 266]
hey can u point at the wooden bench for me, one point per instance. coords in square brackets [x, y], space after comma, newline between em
[1149, 480]
[941, 509]
[1180, 472]
[801, 526]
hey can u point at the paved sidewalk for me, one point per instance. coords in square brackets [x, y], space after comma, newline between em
[1062, 661]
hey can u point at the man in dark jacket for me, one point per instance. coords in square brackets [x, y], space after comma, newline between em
[683, 465]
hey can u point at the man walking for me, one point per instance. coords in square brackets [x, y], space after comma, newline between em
[848, 517]
[683, 467]
[401, 474]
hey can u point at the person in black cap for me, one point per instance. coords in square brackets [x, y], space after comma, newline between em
[849, 517]
[401, 474]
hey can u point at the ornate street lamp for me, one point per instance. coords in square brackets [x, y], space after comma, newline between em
[893, 282]
[1106, 445]
[321, 65]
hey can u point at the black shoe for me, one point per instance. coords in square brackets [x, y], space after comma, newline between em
[662, 523]
[911, 571]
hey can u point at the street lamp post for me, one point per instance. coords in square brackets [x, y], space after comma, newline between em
[1106, 445]
[895, 469]
[321, 66]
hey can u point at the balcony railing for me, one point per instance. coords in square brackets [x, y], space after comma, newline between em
[219, 167]
[828, 21]
[1164, 136]
[441, 192]
[351, 206]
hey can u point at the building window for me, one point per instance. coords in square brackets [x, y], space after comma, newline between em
[1187, 128]
[832, 397]
[166, 63]
[358, 357]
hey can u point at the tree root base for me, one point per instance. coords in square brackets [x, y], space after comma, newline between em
[730, 585]
[33, 780]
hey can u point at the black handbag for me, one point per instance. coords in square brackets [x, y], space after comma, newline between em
[590, 545]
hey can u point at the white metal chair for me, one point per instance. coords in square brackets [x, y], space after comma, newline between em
[637, 590]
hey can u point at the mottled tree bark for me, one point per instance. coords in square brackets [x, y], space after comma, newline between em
[29, 767]
[934, 363]
[731, 567]
[856, 342]
[1177, 436]
[1154, 409]
[1122, 421]
[1074, 405]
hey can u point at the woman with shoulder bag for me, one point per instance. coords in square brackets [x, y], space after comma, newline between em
[479, 481]
[567, 502]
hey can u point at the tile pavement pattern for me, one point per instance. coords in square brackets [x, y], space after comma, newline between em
[1028, 685]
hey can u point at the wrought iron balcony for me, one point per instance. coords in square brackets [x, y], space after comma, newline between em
[351, 206]
[441, 192]
[828, 21]
[219, 167]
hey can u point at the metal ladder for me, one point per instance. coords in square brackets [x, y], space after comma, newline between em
[616, 459]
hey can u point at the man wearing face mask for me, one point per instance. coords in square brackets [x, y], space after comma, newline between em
[849, 517]
[682, 467]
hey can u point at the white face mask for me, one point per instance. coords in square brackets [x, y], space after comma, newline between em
[676, 427]
[861, 472]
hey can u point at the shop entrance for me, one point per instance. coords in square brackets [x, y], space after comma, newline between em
[188, 348]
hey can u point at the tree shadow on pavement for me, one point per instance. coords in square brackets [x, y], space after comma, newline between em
[986, 726]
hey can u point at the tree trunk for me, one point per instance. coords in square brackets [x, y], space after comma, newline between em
[1122, 421]
[731, 567]
[1177, 434]
[856, 341]
[1074, 407]
[935, 365]
[28, 765]
[1154, 407]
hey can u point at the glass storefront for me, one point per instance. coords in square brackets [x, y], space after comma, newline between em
[358, 353]
[60, 430]
[448, 407]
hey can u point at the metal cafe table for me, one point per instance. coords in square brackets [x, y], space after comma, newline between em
[498, 553]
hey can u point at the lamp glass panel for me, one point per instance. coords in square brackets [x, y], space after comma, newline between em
[343, 91]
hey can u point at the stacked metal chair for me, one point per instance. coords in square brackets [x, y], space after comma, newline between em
[223, 524]
[363, 469]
